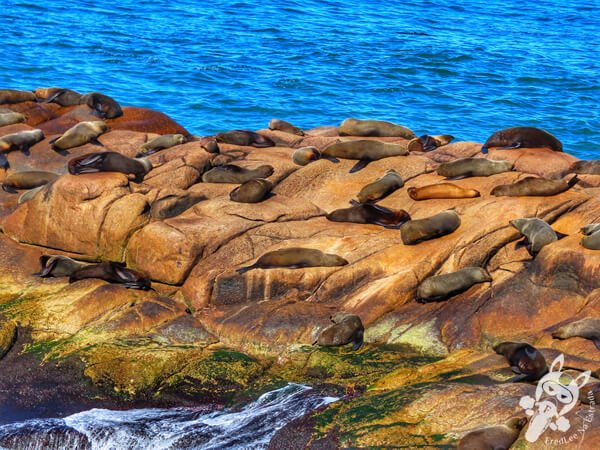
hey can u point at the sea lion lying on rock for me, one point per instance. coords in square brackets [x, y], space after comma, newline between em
[375, 128]
[533, 186]
[28, 179]
[427, 143]
[537, 233]
[524, 359]
[585, 167]
[295, 258]
[587, 328]
[10, 118]
[103, 106]
[346, 329]
[230, 173]
[370, 213]
[80, 134]
[244, 138]
[381, 188]
[415, 231]
[60, 96]
[112, 272]
[441, 287]
[109, 162]
[10, 96]
[364, 151]
[252, 191]
[20, 140]
[59, 266]
[286, 127]
[522, 137]
[441, 190]
[160, 143]
[591, 240]
[494, 437]
[173, 205]
[305, 155]
[473, 167]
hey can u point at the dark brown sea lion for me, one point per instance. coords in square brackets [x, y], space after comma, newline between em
[346, 329]
[533, 186]
[60, 96]
[209, 143]
[244, 138]
[524, 359]
[229, 173]
[59, 266]
[494, 437]
[364, 151]
[370, 213]
[80, 134]
[286, 127]
[252, 191]
[381, 188]
[173, 205]
[305, 155]
[537, 233]
[10, 118]
[473, 167]
[9, 96]
[441, 287]
[113, 273]
[109, 162]
[295, 258]
[376, 128]
[20, 140]
[160, 143]
[585, 167]
[415, 231]
[522, 137]
[427, 143]
[28, 180]
[104, 106]
[441, 190]
[588, 328]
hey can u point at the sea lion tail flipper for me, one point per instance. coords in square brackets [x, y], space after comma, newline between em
[95, 141]
[596, 341]
[54, 96]
[354, 202]
[361, 164]
[358, 341]
[9, 189]
[573, 181]
[243, 270]
[515, 369]
[52, 141]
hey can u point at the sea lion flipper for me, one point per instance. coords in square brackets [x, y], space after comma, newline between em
[52, 141]
[4, 162]
[53, 96]
[357, 344]
[515, 369]
[511, 147]
[333, 159]
[243, 270]
[8, 189]
[95, 141]
[596, 341]
[560, 235]
[354, 202]
[573, 181]
[361, 164]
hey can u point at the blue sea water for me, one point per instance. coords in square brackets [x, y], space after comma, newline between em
[466, 68]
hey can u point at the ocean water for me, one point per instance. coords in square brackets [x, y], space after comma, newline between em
[466, 68]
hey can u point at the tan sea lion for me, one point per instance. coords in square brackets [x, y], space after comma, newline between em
[381, 188]
[473, 167]
[370, 213]
[592, 241]
[427, 143]
[10, 96]
[537, 233]
[305, 155]
[441, 287]
[20, 140]
[534, 187]
[109, 162]
[585, 167]
[28, 179]
[112, 272]
[80, 134]
[60, 96]
[590, 229]
[59, 266]
[376, 128]
[588, 328]
[230, 173]
[415, 231]
[173, 205]
[364, 151]
[160, 143]
[286, 127]
[10, 118]
[522, 137]
[441, 190]
[251, 191]
[245, 138]
[295, 258]
[494, 437]
[524, 359]
[104, 106]
[346, 329]
[28, 195]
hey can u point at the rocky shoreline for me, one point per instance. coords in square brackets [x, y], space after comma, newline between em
[426, 374]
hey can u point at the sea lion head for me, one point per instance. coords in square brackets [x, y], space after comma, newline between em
[305, 155]
[334, 260]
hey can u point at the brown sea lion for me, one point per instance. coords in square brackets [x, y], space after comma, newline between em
[441, 287]
[305, 155]
[588, 328]
[524, 359]
[59, 266]
[295, 258]
[585, 167]
[10, 118]
[60, 96]
[160, 143]
[230, 173]
[28, 195]
[252, 191]
[9, 96]
[112, 272]
[534, 187]
[592, 241]
[376, 128]
[590, 229]
[346, 329]
[415, 231]
[364, 151]
[109, 162]
[370, 213]
[473, 167]
[494, 437]
[286, 127]
[209, 143]
[537, 233]
[441, 190]
[28, 179]
[173, 205]
[522, 137]
[427, 143]
[381, 188]
[103, 106]
[244, 138]
[20, 140]
[80, 134]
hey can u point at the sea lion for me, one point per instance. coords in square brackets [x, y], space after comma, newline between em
[60, 96]
[28, 195]
[370, 213]
[209, 143]
[522, 137]
[381, 188]
[286, 127]
[109, 162]
[28, 180]
[9, 96]
[10, 118]
[160, 143]
[585, 167]
[364, 151]
[112, 272]
[590, 229]
[537, 233]
[173, 205]
[534, 187]
[346, 329]
[592, 241]
[415, 231]
[375, 128]
[20, 140]
[441, 287]
[80, 134]
[441, 190]
[494, 437]
[427, 143]
[251, 191]
[524, 359]
[473, 167]
[104, 106]
[244, 138]
[295, 258]
[59, 266]
[230, 173]
[305, 155]
[586, 328]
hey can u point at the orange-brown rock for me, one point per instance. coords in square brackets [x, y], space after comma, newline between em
[147, 121]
